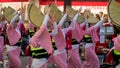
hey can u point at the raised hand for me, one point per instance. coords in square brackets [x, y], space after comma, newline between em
[80, 9]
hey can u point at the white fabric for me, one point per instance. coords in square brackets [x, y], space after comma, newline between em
[55, 31]
[62, 20]
[16, 12]
[18, 31]
[10, 48]
[14, 19]
[89, 44]
[75, 46]
[46, 19]
[74, 20]
[56, 52]
[23, 18]
[75, 17]
[3, 25]
[100, 23]
[37, 63]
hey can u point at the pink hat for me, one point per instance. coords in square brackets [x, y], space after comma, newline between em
[117, 43]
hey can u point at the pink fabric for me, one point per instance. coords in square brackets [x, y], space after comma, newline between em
[83, 25]
[117, 43]
[74, 58]
[93, 33]
[13, 35]
[1, 47]
[3, 25]
[91, 59]
[31, 26]
[44, 65]
[0, 29]
[42, 38]
[60, 60]
[14, 58]
[78, 32]
[60, 42]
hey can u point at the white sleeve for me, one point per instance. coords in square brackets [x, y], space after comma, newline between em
[74, 20]
[55, 31]
[14, 19]
[23, 18]
[46, 19]
[99, 23]
[16, 12]
[75, 17]
[62, 20]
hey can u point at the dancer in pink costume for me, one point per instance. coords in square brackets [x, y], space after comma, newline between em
[41, 41]
[59, 56]
[91, 59]
[1, 48]
[75, 31]
[14, 35]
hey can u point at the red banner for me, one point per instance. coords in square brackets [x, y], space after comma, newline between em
[60, 3]
[13, 0]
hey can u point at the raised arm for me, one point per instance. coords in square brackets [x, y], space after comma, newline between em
[46, 19]
[74, 21]
[14, 19]
[22, 18]
[62, 20]
[55, 30]
[23, 10]
[99, 24]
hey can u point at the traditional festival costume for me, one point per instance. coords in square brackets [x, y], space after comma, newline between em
[59, 57]
[14, 35]
[38, 42]
[91, 59]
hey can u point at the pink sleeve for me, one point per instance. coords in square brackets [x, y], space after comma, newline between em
[66, 30]
[42, 38]
[13, 35]
[78, 32]
[1, 48]
[84, 24]
[59, 40]
[93, 33]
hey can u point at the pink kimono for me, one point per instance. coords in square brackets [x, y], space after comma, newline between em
[14, 58]
[59, 40]
[13, 35]
[78, 32]
[73, 54]
[14, 55]
[59, 56]
[31, 26]
[74, 58]
[1, 48]
[91, 59]
[117, 43]
[42, 38]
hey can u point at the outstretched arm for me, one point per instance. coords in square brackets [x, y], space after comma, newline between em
[46, 19]
[14, 19]
[74, 20]
[55, 31]
[99, 24]
[62, 20]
